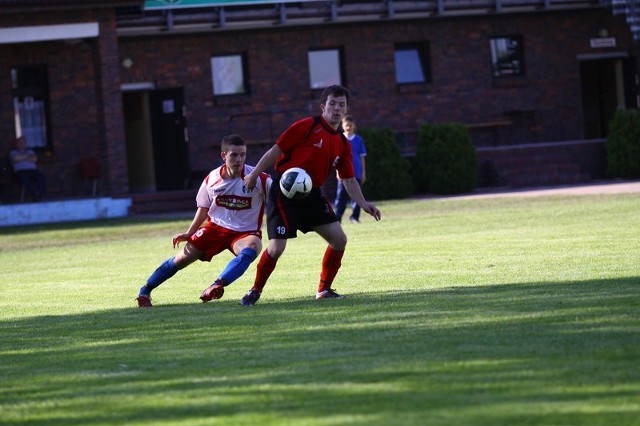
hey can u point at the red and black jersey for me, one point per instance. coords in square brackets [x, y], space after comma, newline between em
[316, 147]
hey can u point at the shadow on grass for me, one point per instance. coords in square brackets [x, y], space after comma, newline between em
[536, 353]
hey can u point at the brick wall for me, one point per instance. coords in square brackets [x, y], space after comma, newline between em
[84, 99]
[462, 89]
[85, 78]
[544, 164]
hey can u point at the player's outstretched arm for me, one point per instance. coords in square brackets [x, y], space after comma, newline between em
[198, 219]
[355, 192]
[268, 159]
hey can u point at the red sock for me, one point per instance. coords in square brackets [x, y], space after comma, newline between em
[331, 262]
[266, 265]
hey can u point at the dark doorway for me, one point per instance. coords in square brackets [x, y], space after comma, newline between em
[137, 125]
[603, 91]
[156, 134]
[169, 138]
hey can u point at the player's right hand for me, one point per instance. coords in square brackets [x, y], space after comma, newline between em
[250, 180]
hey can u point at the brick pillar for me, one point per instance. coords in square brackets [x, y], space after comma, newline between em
[109, 100]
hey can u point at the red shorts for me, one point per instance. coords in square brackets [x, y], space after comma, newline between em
[213, 239]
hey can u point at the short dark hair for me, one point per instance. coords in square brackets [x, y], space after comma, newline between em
[232, 139]
[335, 90]
[349, 118]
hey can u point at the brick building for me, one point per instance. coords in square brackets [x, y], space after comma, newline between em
[149, 88]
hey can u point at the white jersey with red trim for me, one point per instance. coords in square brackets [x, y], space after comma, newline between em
[231, 204]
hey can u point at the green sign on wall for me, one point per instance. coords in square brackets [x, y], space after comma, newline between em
[174, 4]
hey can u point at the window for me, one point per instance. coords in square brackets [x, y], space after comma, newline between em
[325, 68]
[412, 63]
[507, 57]
[29, 88]
[228, 74]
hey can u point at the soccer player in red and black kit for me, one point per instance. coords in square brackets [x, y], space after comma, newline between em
[315, 144]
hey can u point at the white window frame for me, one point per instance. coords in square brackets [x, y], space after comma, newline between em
[228, 75]
[325, 67]
[507, 56]
[412, 63]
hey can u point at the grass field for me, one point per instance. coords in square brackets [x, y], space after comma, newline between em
[503, 311]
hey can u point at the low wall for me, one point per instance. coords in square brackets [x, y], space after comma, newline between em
[541, 164]
[63, 211]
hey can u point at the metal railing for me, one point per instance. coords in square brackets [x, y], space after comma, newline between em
[631, 9]
[324, 12]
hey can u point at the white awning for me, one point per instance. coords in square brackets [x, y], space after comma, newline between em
[48, 32]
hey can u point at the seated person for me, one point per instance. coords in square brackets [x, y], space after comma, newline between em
[23, 160]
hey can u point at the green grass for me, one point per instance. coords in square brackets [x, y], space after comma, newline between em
[503, 311]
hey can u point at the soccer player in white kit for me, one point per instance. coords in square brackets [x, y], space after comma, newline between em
[229, 216]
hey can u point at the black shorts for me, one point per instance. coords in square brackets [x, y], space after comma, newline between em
[285, 217]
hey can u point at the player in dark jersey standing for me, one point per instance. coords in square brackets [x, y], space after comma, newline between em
[317, 145]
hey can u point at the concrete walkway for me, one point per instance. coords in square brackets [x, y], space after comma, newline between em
[616, 187]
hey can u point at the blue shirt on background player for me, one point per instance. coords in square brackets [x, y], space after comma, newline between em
[359, 152]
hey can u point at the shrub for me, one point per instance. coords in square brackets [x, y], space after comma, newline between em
[623, 145]
[445, 161]
[387, 171]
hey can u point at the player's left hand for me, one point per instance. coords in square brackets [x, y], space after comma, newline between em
[373, 211]
[178, 238]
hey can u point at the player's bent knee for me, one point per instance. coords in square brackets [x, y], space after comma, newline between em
[339, 242]
[275, 250]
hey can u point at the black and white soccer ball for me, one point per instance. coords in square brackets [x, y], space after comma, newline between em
[295, 183]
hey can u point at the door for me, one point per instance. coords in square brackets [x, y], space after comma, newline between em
[169, 138]
[603, 91]
[137, 126]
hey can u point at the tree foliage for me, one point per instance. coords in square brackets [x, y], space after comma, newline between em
[388, 174]
[445, 161]
[623, 145]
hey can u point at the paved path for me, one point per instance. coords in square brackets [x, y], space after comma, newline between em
[614, 187]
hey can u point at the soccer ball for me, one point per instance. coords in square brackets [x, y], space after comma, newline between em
[295, 183]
